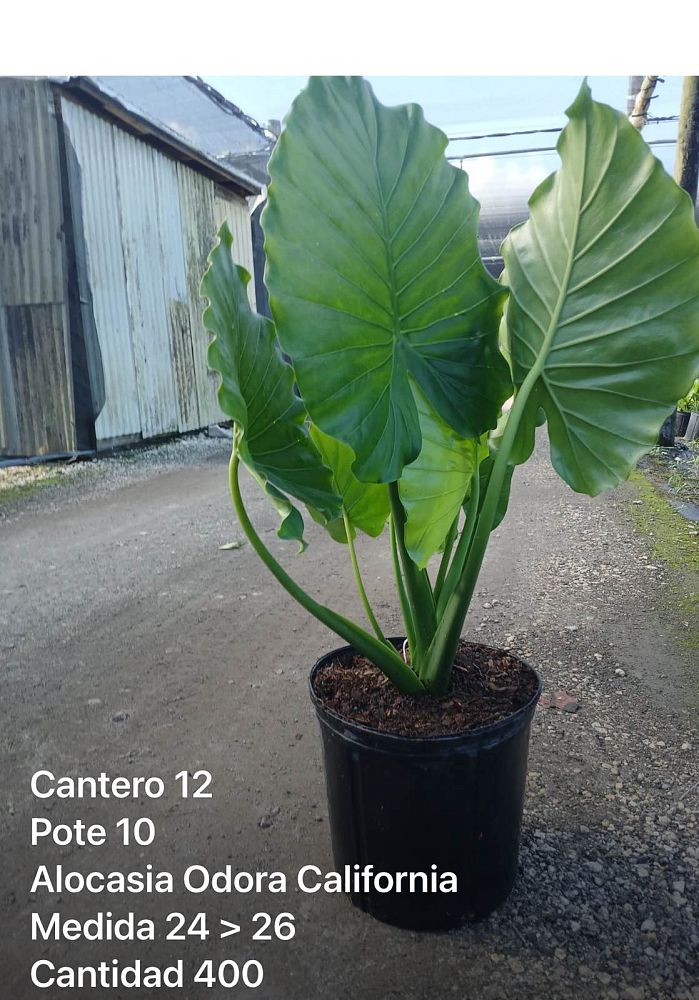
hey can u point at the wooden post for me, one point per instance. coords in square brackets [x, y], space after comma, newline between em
[687, 158]
[639, 115]
[634, 87]
[687, 168]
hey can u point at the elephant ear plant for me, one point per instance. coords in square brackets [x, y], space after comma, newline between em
[404, 349]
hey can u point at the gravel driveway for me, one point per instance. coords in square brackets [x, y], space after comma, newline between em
[132, 642]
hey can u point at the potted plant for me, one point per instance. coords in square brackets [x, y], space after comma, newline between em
[404, 350]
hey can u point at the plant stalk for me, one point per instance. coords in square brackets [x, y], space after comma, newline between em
[417, 584]
[462, 549]
[444, 562]
[443, 650]
[402, 596]
[358, 578]
[384, 656]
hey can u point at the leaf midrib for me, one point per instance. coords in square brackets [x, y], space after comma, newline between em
[553, 326]
[390, 267]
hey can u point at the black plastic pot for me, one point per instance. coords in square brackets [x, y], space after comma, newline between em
[406, 804]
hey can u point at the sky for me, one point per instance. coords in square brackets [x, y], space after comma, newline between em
[462, 105]
[472, 106]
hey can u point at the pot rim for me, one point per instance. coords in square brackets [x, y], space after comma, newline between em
[483, 736]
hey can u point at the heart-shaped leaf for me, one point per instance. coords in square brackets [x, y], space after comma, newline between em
[257, 391]
[374, 275]
[603, 316]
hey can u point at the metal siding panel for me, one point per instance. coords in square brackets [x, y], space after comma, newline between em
[174, 279]
[235, 212]
[42, 421]
[37, 385]
[92, 140]
[184, 368]
[31, 215]
[143, 258]
[9, 427]
[199, 233]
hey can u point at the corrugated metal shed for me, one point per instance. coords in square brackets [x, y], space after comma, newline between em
[184, 107]
[36, 403]
[144, 284]
[185, 115]
[116, 301]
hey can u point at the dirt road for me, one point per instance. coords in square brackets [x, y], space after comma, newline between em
[131, 643]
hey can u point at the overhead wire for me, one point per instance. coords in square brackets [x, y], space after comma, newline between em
[536, 149]
[541, 131]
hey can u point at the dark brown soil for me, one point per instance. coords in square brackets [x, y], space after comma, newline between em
[487, 685]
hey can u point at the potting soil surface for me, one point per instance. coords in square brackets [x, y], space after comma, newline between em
[486, 686]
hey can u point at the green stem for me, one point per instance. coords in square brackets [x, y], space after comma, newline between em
[358, 578]
[462, 549]
[386, 658]
[443, 650]
[417, 584]
[402, 596]
[444, 562]
[446, 641]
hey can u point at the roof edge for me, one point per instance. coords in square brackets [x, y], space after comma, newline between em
[216, 97]
[122, 112]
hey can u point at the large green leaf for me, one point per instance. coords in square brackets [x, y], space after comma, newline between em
[374, 275]
[257, 392]
[367, 505]
[433, 487]
[604, 305]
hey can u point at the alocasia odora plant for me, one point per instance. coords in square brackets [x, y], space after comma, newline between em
[404, 349]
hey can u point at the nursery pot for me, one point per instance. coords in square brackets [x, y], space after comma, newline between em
[433, 804]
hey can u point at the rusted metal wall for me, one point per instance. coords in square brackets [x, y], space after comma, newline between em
[39, 367]
[30, 208]
[36, 391]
